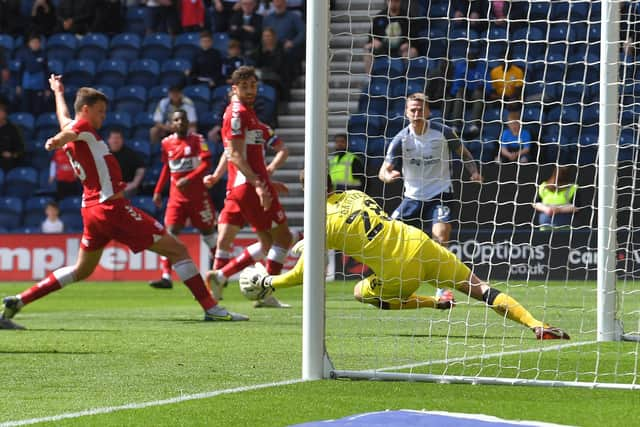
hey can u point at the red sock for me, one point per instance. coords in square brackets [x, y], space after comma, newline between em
[165, 265]
[219, 263]
[44, 287]
[273, 267]
[201, 292]
[238, 263]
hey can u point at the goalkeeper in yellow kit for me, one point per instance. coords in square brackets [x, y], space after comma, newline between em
[402, 257]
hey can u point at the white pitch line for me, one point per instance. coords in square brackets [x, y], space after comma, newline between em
[487, 356]
[141, 405]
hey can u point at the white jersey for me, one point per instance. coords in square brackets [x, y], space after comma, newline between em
[424, 160]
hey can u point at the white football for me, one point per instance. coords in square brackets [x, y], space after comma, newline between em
[249, 281]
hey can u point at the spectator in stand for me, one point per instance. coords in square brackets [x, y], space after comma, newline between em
[7, 92]
[61, 172]
[75, 16]
[473, 12]
[246, 26]
[192, 15]
[291, 33]
[467, 90]
[11, 142]
[52, 223]
[270, 61]
[558, 200]
[11, 21]
[43, 17]
[33, 76]
[109, 16]
[223, 11]
[233, 61]
[160, 16]
[131, 164]
[515, 142]
[207, 64]
[389, 29]
[507, 81]
[165, 109]
[345, 168]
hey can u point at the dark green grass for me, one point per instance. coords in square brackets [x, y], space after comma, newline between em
[97, 345]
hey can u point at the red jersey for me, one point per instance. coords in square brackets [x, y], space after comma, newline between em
[242, 122]
[192, 13]
[93, 164]
[61, 167]
[184, 157]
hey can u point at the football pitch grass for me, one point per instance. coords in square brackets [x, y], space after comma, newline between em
[98, 347]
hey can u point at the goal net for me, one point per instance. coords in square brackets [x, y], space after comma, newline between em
[518, 71]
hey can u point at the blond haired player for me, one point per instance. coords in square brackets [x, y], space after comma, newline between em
[357, 226]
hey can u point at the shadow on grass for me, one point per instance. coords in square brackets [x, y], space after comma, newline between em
[64, 353]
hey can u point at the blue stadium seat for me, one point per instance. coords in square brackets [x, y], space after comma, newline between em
[55, 66]
[532, 115]
[590, 114]
[142, 122]
[437, 42]
[108, 91]
[579, 10]
[144, 72]
[125, 46]
[364, 124]
[418, 67]
[539, 10]
[72, 221]
[79, 72]
[207, 120]
[154, 95]
[497, 46]
[117, 120]
[559, 31]
[143, 148]
[376, 147]
[131, 99]
[25, 121]
[559, 11]
[594, 32]
[357, 143]
[1, 182]
[145, 203]
[46, 125]
[93, 46]
[21, 181]
[174, 72]
[386, 66]
[201, 96]
[62, 46]
[394, 126]
[7, 43]
[268, 92]
[221, 43]
[221, 93]
[111, 72]
[573, 93]
[34, 210]
[459, 41]
[70, 204]
[157, 46]
[186, 45]
[628, 144]
[578, 31]
[11, 209]
[135, 19]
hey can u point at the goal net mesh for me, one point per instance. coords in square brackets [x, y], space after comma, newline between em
[455, 57]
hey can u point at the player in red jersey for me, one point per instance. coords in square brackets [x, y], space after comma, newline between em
[251, 196]
[106, 214]
[186, 159]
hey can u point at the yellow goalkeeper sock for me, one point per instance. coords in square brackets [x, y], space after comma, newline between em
[413, 302]
[503, 304]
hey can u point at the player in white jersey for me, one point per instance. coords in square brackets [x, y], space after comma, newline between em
[421, 155]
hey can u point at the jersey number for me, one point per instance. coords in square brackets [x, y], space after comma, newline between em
[370, 231]
[77, 167]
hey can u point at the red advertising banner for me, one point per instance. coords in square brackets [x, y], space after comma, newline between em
[28, 257]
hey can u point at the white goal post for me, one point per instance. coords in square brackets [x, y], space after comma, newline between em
[462, 352]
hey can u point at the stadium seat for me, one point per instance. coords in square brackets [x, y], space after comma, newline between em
[62, 46]
[79, 72]
[142, 123]
[559, 31]
[559, 11]
[386, 66]
[117, 120]
[186, 45]
[591, 114]
[154, 95]
[459, 41]
[221, 43]
[174, 72]
[1, 182]
[628, 144]
[142, 147]
[437, 42]
[268, 92]
[143, 72]
[145, 203]
[394, 126]
[221, 93]
[200, 95]
[25, 121]
[157, 46]
[375, 147]
[46, 126]
[357, 143]
[55, 66]
[364, 124]
[108, 91]
[497, 46]
[125, 46]
[207, 120]
[573, 93]
[418, 67]
[72, 221]
[70, 94]
[135, 20]
[11, 209]
[70, 204]
[539, 10]
[7, 43]
[21, 181]
[131, 99]
[111, 72]
[150, 179]
[93, 46]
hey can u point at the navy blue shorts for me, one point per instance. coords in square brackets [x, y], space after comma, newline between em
[423, 214]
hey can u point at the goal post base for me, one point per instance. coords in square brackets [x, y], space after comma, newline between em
[455, 379]
[634, 337]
